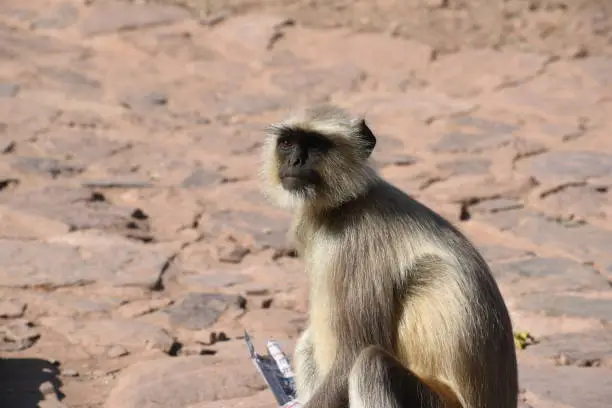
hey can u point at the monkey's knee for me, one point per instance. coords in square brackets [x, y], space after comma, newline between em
[378, 379]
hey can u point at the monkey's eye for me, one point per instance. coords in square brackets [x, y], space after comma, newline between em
[285, 144]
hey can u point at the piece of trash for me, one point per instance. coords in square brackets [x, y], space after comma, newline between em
[276, 372]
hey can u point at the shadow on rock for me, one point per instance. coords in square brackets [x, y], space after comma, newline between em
[24, 382]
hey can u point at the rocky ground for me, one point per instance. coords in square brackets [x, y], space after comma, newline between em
[136, 247]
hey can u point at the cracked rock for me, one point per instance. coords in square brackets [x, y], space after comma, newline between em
[10, 308]
[201, 310]
[17, 335]
[99, 336]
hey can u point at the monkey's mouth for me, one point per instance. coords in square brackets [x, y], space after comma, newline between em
[294, 183]
[300, 181]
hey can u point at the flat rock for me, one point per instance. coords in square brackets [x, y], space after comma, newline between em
[421, 104]
[578, 201]
[141, 307]
[80, 208]
[549, 96]
[362, 49]
[47, 166]
[573, 387]
[175, 44]
[596, 69]
[593, 348]
[70, 81]
[478, 187]
[506, 220]
[546, 275]
[319, 81]
[472, 143]
[391, 158]
[24, 119]
[263, 231]
[15, 224]
[8, 89]
[11, 308]
[568, 305]
[466, 166]
[496, 253]
[112, 16]
[470, 72]
[248, 34]
[54, 264]
[213, 280]
[246, 103]
[58, 304]
[201, 310]
[586, 241]
[201, 177]
[24, 44]
[557, 131]
[180, 382]
[556, 167]
[496, 205]
[472, 134]
[482, 124]
[99, 336]
[80, 145]
[263, 399]
[273, 323]
[62, 16]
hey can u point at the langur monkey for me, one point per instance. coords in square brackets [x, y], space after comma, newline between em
[403, 310]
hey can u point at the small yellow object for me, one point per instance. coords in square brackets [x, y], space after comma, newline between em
[523, 339]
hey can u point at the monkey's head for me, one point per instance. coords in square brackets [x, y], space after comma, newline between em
[317, 157]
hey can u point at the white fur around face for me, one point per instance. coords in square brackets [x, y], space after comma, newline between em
[346, 171]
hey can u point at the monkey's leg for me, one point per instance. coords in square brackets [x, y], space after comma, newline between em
[378, 380]
[306, 376]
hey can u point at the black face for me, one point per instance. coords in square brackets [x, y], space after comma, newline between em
[298, 152]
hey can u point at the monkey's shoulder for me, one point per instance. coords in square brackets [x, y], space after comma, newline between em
[387, 215]
[384, 206]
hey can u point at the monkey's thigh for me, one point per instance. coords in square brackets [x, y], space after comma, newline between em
[378, 380]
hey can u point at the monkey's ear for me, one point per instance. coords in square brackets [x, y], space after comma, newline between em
[366, 136]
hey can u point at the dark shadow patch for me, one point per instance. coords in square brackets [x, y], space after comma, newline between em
[22, 382]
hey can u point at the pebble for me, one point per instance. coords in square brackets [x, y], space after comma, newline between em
[47, 388]
[117, 351]
[69, 372]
